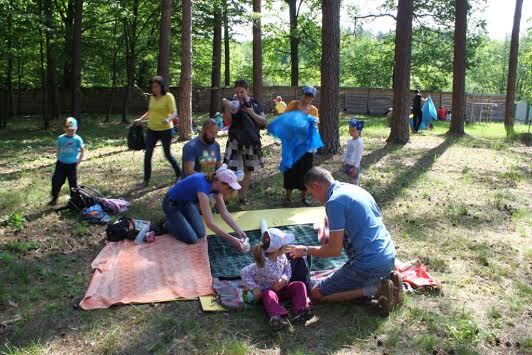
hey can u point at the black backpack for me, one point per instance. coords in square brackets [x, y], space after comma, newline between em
[123, 228]
[135, 138]
[82, 197]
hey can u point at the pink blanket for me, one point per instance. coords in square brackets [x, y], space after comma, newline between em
[161, 271]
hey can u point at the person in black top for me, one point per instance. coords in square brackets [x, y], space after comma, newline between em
[243, 150]
[416, 110]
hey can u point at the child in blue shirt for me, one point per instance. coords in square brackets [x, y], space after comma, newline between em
[70, 150]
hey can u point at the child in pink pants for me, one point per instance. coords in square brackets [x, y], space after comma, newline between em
[269, 280]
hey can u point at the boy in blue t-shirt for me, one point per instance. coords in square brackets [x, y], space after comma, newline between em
[70, 150]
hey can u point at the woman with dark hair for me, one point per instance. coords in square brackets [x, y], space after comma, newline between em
[243, 150]
[161, 112]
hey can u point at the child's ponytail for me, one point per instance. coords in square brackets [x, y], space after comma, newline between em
[258, 255]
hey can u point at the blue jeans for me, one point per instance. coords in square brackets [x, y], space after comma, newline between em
[166, 139]
[347, 278]
[183, 220]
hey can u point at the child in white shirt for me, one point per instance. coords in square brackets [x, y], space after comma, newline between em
[353, 154]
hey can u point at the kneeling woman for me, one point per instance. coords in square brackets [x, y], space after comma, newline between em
[181, 202]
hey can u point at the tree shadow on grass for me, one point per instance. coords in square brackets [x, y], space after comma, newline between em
[409, 177]
[48, 289]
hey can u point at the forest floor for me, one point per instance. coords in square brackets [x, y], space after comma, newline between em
[463, 206]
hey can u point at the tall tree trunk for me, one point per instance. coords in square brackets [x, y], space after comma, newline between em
[114, 74]
[227, 49]
[330, 75]
[459, 63]
[185, 81]
[68, 21]
[76, 60]
[130, 32]
[257, 50]
[8, 93]
[294, 43]
[51, 67]
[163, 68]
[216, 61]
[512, 71]
[400, 131]
[43, 75]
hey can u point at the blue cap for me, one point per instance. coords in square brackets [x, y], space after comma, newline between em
[71, 123]
[358, 124]
[309, 90]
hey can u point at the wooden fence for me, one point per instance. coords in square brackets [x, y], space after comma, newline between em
[351, 100]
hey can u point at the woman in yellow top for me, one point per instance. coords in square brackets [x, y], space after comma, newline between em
[161, 112]
[294, 178]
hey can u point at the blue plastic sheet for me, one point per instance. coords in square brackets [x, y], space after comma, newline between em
[298, 134]
[429, 114]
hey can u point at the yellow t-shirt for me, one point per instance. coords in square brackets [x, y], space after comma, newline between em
[159, 110]
[294, 105]
[280, 107]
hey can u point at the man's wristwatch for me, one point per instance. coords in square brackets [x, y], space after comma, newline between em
[306, 251]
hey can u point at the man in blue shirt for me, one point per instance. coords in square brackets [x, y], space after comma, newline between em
[354, 223]
[202, 154]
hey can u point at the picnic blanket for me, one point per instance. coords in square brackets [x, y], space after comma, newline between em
[164, 270]
[226, 262]
[277, 217]
[229, 293]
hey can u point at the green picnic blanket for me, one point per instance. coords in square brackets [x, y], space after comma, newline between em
[226, 262]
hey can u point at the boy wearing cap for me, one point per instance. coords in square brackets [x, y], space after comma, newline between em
[280, 105]
[353, 154]
[70, 151]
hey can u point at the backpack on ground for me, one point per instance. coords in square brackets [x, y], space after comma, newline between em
[135, 138]
[81, 198]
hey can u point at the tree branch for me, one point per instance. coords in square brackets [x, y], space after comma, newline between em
[374, 16]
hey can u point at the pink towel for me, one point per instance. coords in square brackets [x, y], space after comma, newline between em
[164, 270]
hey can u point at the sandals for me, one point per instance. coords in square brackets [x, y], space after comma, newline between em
[278, 323]
[385, 297]
[398, 295]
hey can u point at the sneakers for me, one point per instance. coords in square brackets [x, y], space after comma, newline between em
[385, 297]
[302, 316]
[397, 281]
[53, 202]
[278, 323]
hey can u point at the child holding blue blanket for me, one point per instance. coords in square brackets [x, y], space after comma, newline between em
[353, 154]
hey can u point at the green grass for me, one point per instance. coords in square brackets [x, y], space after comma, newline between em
[461, 205]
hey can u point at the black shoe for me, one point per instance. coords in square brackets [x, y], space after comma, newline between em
[278, 323]
[53, 202]
[303, 316]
